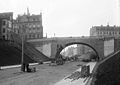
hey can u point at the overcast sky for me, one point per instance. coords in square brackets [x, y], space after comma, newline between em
[67, 17]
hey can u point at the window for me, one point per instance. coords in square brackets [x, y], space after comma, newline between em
[4, 22]
[3, 36]
[104, 33]
[29, 30]
[113, 33]
[3, 30]
[100, 33]
[33, 19]
[109, 33]
[29, 35]
[37, 35]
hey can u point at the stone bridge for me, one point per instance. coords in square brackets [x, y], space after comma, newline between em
[50, 46]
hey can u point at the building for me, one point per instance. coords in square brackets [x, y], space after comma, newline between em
[83, 49]
[30, 25]
[80, 49]
[6, 25]
[105, 31]
[70, 51]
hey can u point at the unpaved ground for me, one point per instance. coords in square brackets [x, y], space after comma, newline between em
[45, 75]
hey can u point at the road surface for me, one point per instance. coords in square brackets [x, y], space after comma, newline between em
[45, 75]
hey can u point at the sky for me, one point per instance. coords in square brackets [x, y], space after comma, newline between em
[67, 18]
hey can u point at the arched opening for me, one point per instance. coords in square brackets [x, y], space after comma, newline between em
[61, 48]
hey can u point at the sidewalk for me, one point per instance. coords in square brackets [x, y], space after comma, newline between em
[80, 81]
[14, 66]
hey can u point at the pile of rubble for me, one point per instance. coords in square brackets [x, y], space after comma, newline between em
[85, 72]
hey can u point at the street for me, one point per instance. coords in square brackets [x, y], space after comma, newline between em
[45, 74]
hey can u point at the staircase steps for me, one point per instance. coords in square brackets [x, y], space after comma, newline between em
[29, 49]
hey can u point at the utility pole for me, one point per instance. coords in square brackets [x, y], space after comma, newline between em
[118, 11]
[22, 58]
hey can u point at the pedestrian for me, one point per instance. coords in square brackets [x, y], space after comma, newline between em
[23, 67]
[27, 67]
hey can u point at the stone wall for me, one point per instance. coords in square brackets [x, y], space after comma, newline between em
[108, 71]
[117, 44]
[47, 49]
[108, 47]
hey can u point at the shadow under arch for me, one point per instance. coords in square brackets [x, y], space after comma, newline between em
[60, 48]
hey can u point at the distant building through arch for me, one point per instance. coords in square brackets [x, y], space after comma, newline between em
[60, 48]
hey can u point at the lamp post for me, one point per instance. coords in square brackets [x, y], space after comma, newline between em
[23, 31]
[22, 57]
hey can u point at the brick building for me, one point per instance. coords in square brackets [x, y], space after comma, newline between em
[105, 31]
[6, 24]
[30, 25]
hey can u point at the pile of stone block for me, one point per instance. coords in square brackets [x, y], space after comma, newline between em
[85, 72]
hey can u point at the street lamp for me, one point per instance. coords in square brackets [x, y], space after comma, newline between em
[23, 31]
[22, 57]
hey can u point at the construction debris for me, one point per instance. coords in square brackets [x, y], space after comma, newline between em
[85, 72]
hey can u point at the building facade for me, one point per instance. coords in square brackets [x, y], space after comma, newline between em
[30, 25]
[105, 31]
[6, 20]
[83, 49]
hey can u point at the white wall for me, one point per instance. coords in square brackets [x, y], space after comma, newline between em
[45, 49]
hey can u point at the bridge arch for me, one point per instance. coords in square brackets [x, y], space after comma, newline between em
[61, 47]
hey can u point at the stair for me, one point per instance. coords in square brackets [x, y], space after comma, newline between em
[11, 55]
[29, 50]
